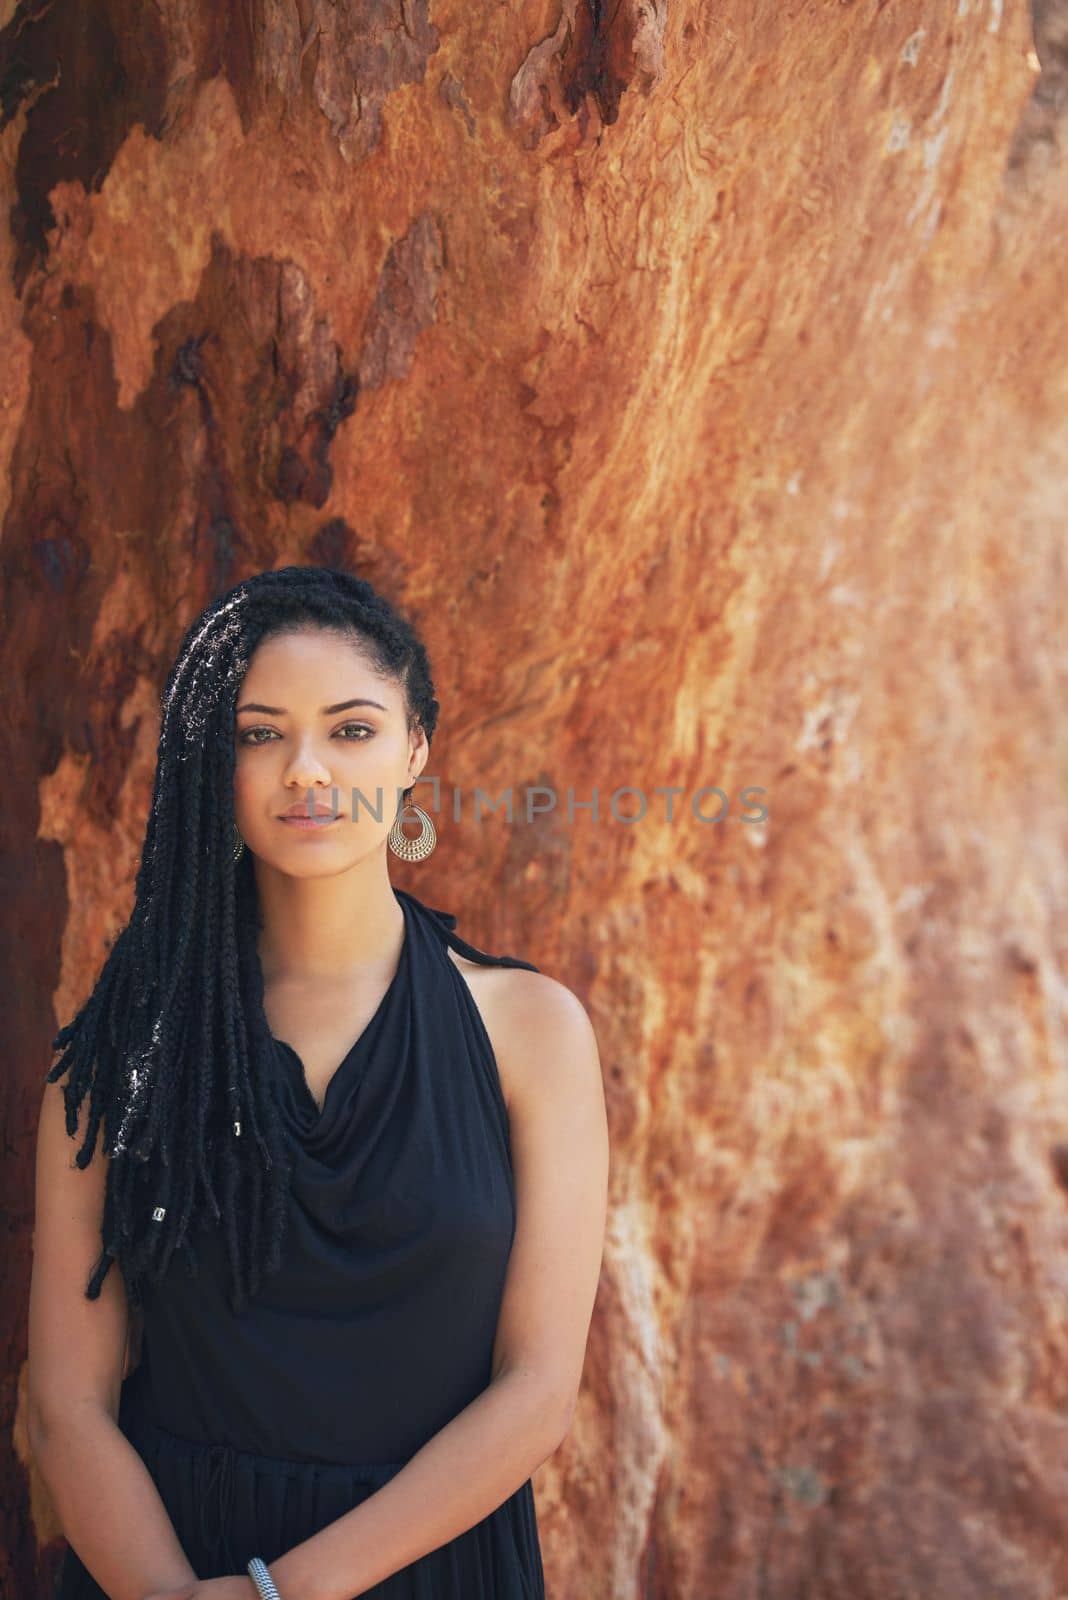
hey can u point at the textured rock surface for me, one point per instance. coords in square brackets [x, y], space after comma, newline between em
[698, 379]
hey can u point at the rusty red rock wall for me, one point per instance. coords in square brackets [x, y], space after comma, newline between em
[698, 378]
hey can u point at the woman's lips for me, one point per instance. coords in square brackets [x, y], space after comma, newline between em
[324, 820]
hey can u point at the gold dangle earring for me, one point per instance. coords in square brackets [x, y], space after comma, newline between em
[419, 848]
[237, 841]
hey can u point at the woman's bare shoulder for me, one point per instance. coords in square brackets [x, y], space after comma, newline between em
[524, 1013]
[518, 990]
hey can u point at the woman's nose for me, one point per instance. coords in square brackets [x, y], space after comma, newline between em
[307, 768]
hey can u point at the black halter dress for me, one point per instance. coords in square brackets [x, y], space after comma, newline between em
[259, 1429]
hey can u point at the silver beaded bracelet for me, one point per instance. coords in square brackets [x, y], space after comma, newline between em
[257, 1571]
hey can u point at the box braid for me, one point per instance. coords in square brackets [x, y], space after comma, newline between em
[172, 1044]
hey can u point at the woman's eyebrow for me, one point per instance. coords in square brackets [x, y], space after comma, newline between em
[327, 711]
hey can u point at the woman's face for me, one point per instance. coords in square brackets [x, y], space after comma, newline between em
[295, 733]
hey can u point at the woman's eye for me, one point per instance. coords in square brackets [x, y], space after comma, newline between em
[359, 727]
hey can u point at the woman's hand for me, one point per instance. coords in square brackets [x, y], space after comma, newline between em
[239, 1587]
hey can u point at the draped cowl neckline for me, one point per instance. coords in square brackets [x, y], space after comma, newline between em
[379, 1053]
[349, 1066]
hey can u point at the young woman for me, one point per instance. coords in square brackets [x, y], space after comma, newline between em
[352, 1170]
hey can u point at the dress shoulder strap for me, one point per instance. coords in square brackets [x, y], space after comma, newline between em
[445, 924]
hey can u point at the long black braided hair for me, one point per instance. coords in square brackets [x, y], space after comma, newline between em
[172, 1043]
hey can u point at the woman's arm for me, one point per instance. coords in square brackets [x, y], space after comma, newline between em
[559, 1139]
[108, 1506]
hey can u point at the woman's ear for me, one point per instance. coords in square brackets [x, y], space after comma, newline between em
[419, 753]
